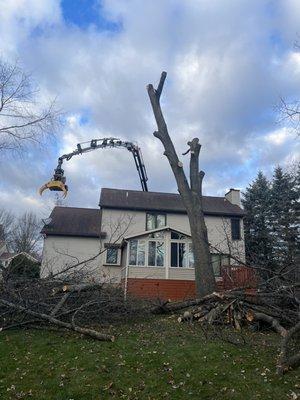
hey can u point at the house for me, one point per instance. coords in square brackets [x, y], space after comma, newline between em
[143, 239]
[6, 257]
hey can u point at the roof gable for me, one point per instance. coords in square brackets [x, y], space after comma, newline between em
[164, 228]
[166, 202]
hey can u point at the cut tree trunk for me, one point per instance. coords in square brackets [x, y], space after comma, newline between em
[191, 194]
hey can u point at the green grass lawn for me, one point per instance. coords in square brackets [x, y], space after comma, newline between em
[157, 359]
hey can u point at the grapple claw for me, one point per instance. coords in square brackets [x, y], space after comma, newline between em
[53, 185]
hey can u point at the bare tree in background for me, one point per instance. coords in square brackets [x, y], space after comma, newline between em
[22, 119]
[191, 193]
[6, 225]
[26, 235]
[290, 113]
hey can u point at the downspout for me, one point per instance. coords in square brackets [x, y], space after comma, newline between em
[126, 271]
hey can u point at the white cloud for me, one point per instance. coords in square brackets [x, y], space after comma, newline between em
[225, 74]
[278, 137]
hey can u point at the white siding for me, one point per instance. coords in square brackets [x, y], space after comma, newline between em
[146, 272]
[182, 273]
[61, 252]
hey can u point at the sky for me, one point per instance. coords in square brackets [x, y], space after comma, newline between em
[228, 64]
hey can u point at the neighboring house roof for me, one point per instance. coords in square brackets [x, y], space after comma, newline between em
[6, 256]
[168, 202]
[10, 256]
[72, 221]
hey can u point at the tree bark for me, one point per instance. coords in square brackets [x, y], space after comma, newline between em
[191, 195]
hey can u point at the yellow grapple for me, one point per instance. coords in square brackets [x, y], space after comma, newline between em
[53, 185]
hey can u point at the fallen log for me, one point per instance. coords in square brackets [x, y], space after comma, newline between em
[72, 288]
[285, 362]
[169, 307]
[85, 331]
[252, 315]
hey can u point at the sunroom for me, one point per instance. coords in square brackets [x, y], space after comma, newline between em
[163, 253]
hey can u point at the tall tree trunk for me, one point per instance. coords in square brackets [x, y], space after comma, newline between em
[191, 194]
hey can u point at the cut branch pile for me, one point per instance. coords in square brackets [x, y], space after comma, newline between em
[48, 304]
[278, 310]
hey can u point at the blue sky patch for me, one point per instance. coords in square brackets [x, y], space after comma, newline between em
[86, 13]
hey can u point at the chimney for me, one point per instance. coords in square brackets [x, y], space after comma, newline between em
[234, 197]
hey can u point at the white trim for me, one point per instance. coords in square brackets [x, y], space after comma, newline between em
[165, 228]
[147, 266]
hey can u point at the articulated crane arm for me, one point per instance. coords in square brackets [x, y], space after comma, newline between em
[58, 182]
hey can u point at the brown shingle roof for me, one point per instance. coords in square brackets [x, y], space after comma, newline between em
[167, 202]
[71, 221]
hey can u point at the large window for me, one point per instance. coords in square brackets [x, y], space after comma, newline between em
[217, 261]
[137, 252]
[235, 228]
[155, 221]
[147, 252]
[181, 251]
[156, 253]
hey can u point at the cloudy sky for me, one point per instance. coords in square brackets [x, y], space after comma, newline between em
[228, 63]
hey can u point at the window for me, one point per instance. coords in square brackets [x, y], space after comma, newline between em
[155, 221]
[137, 252]
[156, 253]
[235, 229]
[112, 255]
[217, 261]
[177, 235]
[182, 255]
[152, 250]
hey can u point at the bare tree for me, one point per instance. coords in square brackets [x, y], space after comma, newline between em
[6, 225]
[290, 113]
[191, 193]
[25, 235]
[21, 118]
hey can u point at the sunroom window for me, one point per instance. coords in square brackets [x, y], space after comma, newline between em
[182, 255]
[156, 253]
[137, 252]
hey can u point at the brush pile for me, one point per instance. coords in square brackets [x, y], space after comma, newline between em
[277, 309]
[71, 305]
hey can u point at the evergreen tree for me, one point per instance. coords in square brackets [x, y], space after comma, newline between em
[283, 207]
[258, 237]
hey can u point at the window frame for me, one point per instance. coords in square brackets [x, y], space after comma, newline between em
[155, 214]
[233, 231]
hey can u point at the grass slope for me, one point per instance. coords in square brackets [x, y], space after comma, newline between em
[158, 359]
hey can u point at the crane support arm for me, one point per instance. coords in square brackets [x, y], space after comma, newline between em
[58, 181]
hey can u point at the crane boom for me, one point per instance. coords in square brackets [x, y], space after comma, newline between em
[58, 181]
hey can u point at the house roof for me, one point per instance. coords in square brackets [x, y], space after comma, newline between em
[72, 221]
[167, 202]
